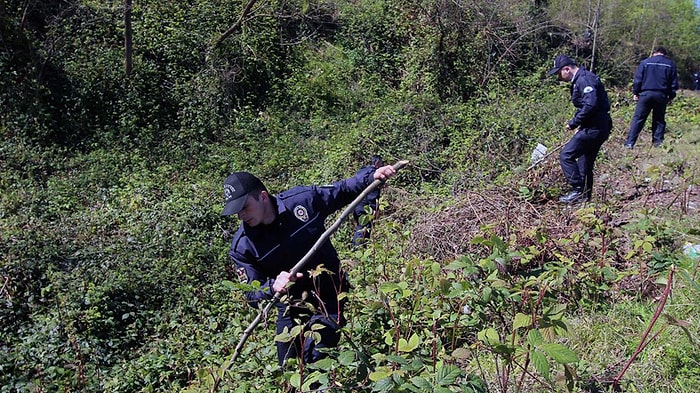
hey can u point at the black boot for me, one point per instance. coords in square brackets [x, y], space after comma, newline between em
[573, 197]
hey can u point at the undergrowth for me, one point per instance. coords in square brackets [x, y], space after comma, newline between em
[114, 273]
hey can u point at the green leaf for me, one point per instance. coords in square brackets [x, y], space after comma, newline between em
[522, 320]
[311, 379]
[346, 358]
[486, 294]
[228, 285]
[388, 338]
[540, 362]
[388, 287]
[560, 353]
[382, 385]
[534, 337]
[457, 264]
[690, 280]
[410, 345]
[422, 383]
[379, 374]
[324, 364]
[397, 359]
[295, 380]
[447, 375]
[489, 336]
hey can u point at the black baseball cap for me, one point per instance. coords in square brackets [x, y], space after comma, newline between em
[560, 62]
[236, 189]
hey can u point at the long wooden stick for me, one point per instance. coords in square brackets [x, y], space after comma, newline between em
[300, 265]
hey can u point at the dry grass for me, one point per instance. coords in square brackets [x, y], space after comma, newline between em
[658, 182]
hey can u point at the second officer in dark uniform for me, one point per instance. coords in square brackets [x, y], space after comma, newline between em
[276, 232]
[654, 87]
[591, 124]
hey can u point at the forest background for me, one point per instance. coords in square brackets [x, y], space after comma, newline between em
[120, 120]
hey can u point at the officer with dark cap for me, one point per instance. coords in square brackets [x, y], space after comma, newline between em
[275, 233]
[654, 87]
[592, 124]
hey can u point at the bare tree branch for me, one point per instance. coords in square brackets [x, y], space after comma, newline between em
[236, 25]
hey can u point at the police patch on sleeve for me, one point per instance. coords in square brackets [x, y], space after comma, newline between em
[242, 275]
[301, 213]
[587, 89]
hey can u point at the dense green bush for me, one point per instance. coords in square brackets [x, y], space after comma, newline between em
[113, 269]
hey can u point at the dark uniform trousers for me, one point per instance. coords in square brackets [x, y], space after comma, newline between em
[579, 154]
[649, 100]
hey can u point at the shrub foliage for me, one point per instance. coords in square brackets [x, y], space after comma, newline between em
[113, 270]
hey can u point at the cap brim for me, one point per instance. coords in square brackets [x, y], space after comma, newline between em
[234, 206]
[555, 70]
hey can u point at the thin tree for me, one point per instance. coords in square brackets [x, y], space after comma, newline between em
[128, 45]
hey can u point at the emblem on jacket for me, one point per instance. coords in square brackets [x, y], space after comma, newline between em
[242, 275]
[301, 213]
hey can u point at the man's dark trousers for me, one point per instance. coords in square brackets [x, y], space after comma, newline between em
[578, 156]
[649, 101]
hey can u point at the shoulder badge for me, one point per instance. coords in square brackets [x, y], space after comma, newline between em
[587, 89]
[301, 213]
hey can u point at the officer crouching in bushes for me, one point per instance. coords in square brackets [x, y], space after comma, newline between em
[276, 232]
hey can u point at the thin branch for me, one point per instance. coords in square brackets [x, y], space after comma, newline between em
[644, 342]
[236, 25]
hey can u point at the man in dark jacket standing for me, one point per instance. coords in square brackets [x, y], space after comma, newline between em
[592, 119]
[275, 233]
[654, 87]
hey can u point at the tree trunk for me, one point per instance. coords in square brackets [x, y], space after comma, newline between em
[127, 38]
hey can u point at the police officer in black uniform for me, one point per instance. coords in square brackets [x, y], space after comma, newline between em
[592, 125]
[276, 232]
[654, 87]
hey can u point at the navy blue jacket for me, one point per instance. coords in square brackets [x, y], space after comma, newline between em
[589, 97]
[263, 251]
[656, 73]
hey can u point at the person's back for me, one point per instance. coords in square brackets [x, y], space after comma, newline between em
[654, 87]
[656, 73]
